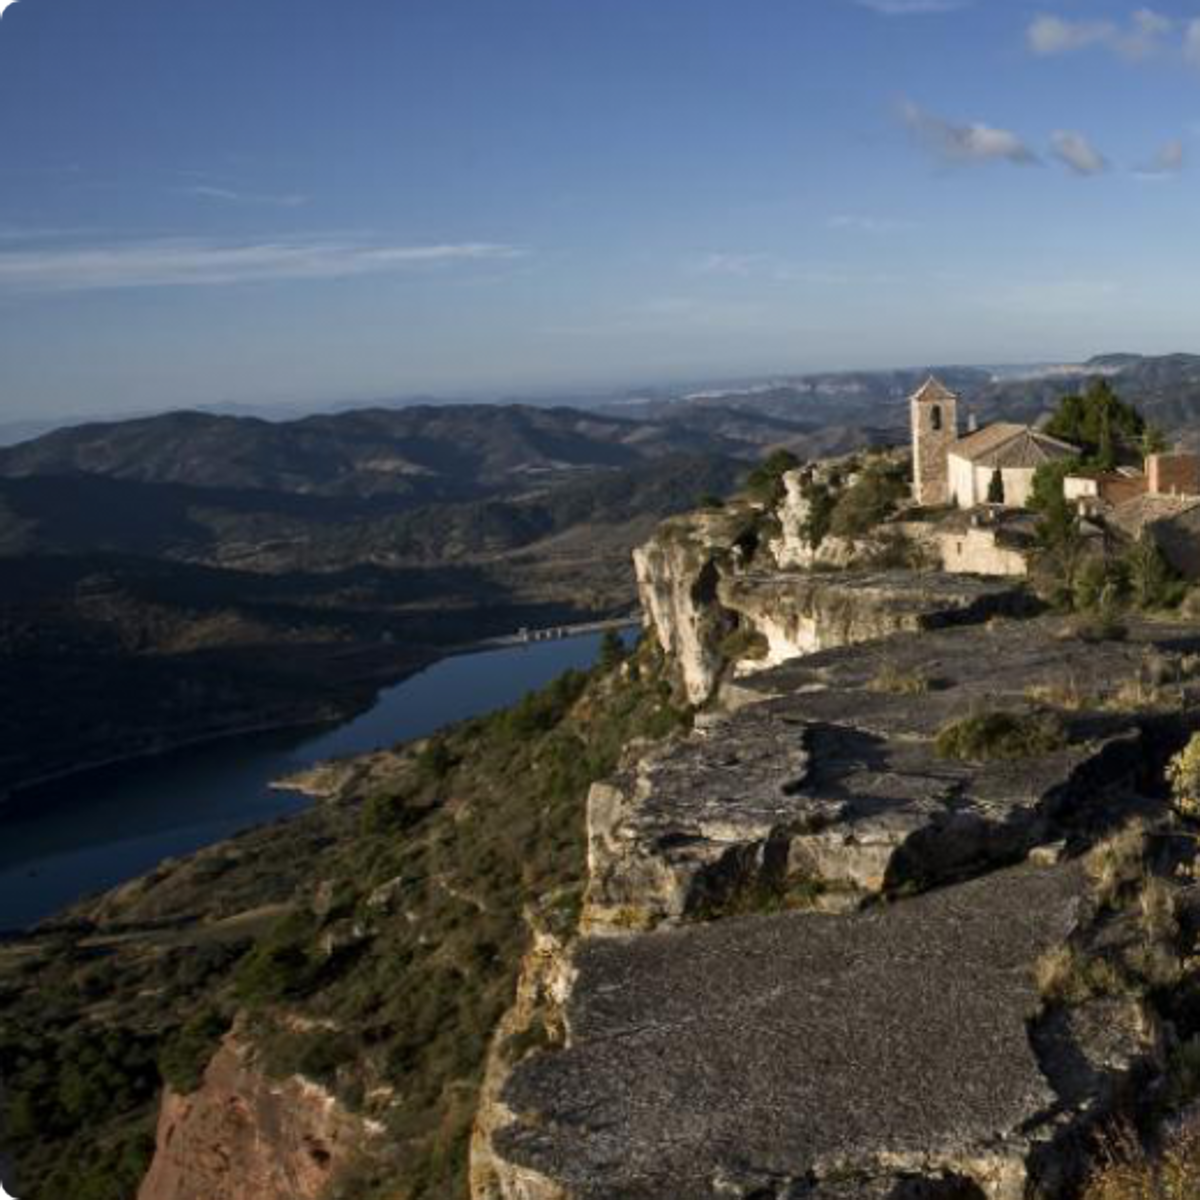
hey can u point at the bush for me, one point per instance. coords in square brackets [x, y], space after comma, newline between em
[1153, 582]
[867, 503]
[892, 681]
[1128, 1172]
[1001, 735]
[185, 1055]
[765, 482]
[1183, 775]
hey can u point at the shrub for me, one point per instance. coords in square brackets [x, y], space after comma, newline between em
[892, 681]
[1128, 1172]
[869, 501]
[1153, 582]
[744, 642]
[1001, 735]
[1117, 862]
[765, 482]
[1183, 774]
[185, 1055]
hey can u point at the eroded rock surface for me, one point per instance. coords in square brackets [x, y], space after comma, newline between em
[800, 613]
[811, 1055]
[830, 788]
[242, 1136]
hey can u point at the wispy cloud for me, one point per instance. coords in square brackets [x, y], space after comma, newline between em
[863, 223]
[912, 8]
[205, 191]
[965, 144]
[739, 265]
[198, 262]
[1191, 43]
[1166, 164]
[1076, 153]
[1144, 35]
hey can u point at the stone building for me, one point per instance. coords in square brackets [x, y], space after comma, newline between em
[999, 460]
[934, 430]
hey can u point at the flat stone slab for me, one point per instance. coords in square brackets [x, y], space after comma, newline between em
[802, 1055]
[829, 790]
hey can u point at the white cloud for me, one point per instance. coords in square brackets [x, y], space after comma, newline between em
[1166, 164]
[721, 263]
[861, 223]
[1191, 43]
[911, 8]
[205, 191]
[974, 143]
[198, 262]
[1144, 35]
[1078, 154]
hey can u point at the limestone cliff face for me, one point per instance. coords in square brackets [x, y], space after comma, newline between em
[242, 1136]
[720, 603]
[742, 1020]
[537, 1017]
[678, 571]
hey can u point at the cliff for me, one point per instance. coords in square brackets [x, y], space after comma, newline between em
[747, 1020]
[723, 595]
[243, 1136]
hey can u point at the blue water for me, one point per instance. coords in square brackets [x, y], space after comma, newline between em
[97, 831]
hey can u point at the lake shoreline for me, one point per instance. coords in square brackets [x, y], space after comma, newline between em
[332, 711]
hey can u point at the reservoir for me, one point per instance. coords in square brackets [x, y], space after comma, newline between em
[93, 832]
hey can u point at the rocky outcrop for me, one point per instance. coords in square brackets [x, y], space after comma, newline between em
[830, 789]
[535, 1020]
[677, 575]
[243, 1136]
[806, 1056]
[802, 613]
[740, 1025]
[719, 602]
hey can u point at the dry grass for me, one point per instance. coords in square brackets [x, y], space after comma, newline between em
[1067, 976]
[1117, 863]
[895, 682]
[1128, 1172]
[1066, 695]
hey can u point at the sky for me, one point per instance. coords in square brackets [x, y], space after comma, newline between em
[303, 201]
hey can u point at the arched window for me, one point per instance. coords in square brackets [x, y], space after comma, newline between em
[935, 418]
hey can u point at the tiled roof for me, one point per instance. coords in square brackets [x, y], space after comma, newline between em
[1134, 515]
[934, 389]
[1008, 445]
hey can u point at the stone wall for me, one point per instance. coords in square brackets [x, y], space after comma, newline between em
[1173, 474]
[980, 552]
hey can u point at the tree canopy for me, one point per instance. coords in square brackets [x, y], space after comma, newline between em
[1100, 423]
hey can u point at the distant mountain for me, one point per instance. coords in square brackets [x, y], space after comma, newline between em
[831, 412]
[422, 453]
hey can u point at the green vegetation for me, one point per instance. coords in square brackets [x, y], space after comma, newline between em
[881, 487]
[995, 492]
[765, 482]
[744, 642]
[1101, 424]
[184, 1055]
[1001, 735]
[1183, 776]
[822, 500]
[385, 980]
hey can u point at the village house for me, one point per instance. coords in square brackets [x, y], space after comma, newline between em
[988, 477]
[995, 464]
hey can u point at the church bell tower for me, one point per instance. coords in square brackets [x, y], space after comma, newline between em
[934, 431]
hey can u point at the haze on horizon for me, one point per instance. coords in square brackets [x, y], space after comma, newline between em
[302, 200]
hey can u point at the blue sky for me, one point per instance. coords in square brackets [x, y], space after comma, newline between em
[302, 200]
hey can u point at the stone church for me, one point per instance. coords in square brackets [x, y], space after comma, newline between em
[994, 464]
